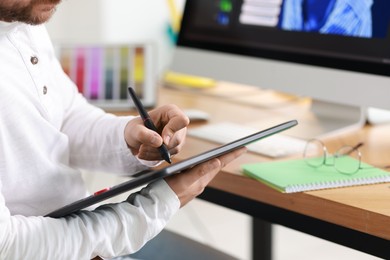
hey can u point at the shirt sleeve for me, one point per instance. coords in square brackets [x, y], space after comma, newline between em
[96, 138]
[110, 230]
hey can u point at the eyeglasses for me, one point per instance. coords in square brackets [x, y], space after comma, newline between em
[316, 155]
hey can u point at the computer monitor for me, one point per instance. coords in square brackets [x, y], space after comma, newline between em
[335, 51]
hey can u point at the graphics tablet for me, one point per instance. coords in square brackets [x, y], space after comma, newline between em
[150, 175]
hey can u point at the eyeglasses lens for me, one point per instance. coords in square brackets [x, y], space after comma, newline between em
[314, 153]
[344, 166]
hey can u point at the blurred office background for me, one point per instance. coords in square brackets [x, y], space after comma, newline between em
[131, 21]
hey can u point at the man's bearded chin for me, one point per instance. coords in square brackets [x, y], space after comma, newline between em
[25, 14]
[41, 18]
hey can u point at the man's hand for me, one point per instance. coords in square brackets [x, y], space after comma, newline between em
[171, 123]
[191, 183]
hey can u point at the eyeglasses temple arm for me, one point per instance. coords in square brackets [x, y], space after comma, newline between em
[354, 148]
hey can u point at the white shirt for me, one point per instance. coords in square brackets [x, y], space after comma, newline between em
[47, 133]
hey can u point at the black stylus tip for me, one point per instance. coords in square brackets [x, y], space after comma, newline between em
[167, 158]
[165, 153]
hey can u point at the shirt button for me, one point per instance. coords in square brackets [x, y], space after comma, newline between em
[44, 90]
[34, 60]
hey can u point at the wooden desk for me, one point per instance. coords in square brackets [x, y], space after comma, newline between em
[357, 217]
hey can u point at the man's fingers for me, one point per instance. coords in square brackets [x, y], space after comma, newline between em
[174, 126]
[225, 159]
[191, 183]
[143, 135]
[211, 167]
[174, 118]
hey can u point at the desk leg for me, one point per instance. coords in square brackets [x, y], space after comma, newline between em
[363, 242]
[261, 240]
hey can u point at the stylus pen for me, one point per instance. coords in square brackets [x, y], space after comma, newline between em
[149, 123]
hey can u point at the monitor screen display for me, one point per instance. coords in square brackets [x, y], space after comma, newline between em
[348, 34]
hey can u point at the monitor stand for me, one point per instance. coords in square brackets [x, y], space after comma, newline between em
[327, 119]
[376, 116]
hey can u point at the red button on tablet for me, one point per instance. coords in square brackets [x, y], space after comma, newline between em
[101, 191]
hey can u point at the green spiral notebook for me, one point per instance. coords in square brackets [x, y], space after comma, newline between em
[296, 176]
